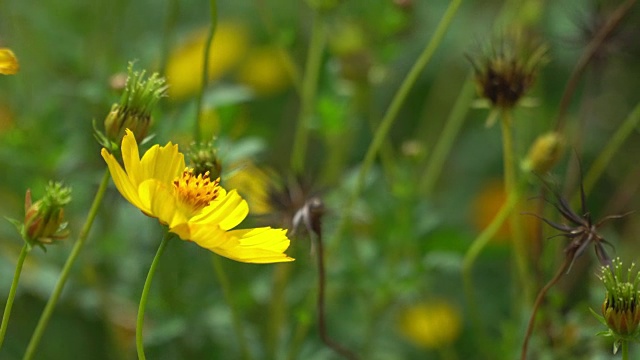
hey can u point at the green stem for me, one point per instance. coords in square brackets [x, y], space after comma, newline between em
[235, 317]
[169, 29]
[625, 350]
[447, 137]
[510, 182]
[66, 270]
[601, 162]
[145, 293]
[309, 90]
[205, 69]
[400, 96]
[12, 292]
[478, 244]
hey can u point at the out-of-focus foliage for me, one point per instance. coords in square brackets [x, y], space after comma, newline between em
[393, 257]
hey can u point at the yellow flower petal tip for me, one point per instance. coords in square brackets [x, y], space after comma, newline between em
[193, 206]
[8, 62]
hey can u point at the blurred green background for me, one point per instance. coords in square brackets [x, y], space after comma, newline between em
[394, 289]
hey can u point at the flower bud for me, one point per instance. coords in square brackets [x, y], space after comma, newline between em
[620, 307]
[138, 100]
[203, 157]
[44, 220]
[8, 62]
[544, 153]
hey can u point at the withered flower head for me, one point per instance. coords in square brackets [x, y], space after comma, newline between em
[505, 76]
[203, 157]
[580, 229]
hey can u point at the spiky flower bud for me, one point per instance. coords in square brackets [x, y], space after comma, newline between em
[621, 306]
[138, 100]
[8, 62]
[544, 153]
[44, 220]
[203, 157]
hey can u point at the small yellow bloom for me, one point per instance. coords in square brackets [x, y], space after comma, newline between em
[193, 206]
[431, 325]
[267, 70]
[8, 62]
[185, 63]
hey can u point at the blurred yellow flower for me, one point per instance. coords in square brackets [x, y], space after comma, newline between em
[431, 325]
[253, 185]
[8, 62]
[184, 66]
[267, 70]
[193, 206]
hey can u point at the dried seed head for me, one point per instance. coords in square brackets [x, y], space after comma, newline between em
[505, 76]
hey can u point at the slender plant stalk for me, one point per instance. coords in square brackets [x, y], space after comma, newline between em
[478, 244]
[169, 29]
[402, 93]
[592, 48]
[394, 109]
[322, 325]
[223, 278]
[309, 90]
[145, 294]
[446, 139]
[205, 69]
[12, 292]
[625, 350]
[515, 220]
[536, 305]
[66, 270]
[616, 141]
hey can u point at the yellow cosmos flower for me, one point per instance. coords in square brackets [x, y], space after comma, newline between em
[431, 325]
[8, 62]
[184, 66]
[193, 206]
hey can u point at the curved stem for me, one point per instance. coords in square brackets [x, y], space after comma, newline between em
[478, 244]
[205, 69]
[309, 90]
[66, 270]
[536, 305]
[400, 96]
[235, 317]
[145, 294]
[12, 292]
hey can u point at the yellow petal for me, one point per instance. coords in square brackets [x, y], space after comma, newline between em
[227, 210]
[159, 201]
[8, 62]
[131, 158]
[260, 245]
[163, 163]
[122, 181]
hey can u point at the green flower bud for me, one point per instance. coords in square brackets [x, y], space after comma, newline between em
[138, 100]
[44, 220]
[621, 306]
[544, 153]
[203, 157]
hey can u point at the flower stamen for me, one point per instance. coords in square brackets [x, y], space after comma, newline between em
[196, 190]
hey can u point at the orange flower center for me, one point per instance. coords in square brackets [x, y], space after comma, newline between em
[197, 191]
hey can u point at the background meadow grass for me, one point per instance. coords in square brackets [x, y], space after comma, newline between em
[393, 257]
